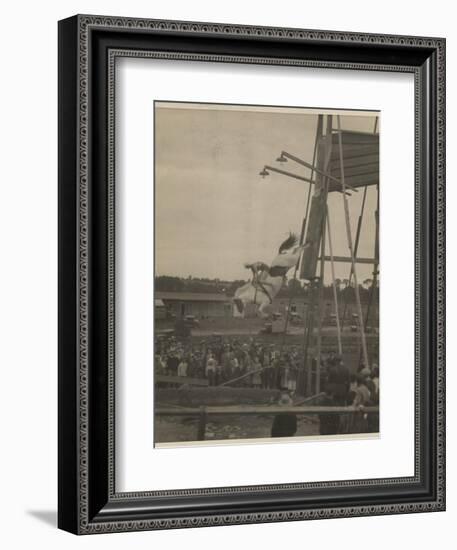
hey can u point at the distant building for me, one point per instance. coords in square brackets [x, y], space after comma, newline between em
[160, 311]
[198, 304]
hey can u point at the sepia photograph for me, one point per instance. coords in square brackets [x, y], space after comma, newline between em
[228, 353]
[267, 274]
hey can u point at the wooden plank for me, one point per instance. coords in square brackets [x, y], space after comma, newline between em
[359, 160]
[245, 375]
[181, 380]
[316, 213]
[350, 138]
[360, 132]
[364, 179]
[350, 151]
[357, 181]
[356, 170]
[347, 259]
[258, 410]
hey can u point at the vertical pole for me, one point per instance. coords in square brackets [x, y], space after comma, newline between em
[376, 260]
[316, 211]
[356, 247]
[302, 236]
[374, 283]
[350, 245]
[308, 333]
[201, 424]
[317, 381]
[309, 327]
[327, 151]
[335, 293]
[303, 228]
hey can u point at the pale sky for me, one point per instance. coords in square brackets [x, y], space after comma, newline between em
[213, 210]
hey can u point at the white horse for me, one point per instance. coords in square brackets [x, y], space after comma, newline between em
[267, 280]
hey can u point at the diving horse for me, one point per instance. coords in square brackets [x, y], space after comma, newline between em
[267, 280]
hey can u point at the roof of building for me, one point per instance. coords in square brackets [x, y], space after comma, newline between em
[192, 296]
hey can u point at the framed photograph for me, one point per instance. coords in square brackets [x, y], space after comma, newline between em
[229, 197]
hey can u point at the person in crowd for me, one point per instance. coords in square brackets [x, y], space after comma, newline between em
[225, 363]
[246, 362]
[172, 363]
[160, 364]
[266, 364]
[373, 417]
[235, 367]
[210, 371]
[364, 370]
[292, 377]
[284, 424]
[329, 423]
[182, 367]
[256, 379]
[352, 389]
[362, 393]
[361, 400]
[331, 358]
[275, 372]
[375, 380]
[219, 374]
[338, 378]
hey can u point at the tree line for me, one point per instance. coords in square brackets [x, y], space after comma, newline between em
[292, 288]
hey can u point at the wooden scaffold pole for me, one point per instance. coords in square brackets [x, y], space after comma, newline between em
[317, 383]
[350, 246]
[356, 247]
[327, 151]
[308, 319]
[335, 293]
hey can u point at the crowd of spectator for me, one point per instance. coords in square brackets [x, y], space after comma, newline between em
[247, 363]
[257, 364]
[348, 389]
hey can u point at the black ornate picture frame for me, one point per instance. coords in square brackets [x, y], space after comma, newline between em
[88, 47]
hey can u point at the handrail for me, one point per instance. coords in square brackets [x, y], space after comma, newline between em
[262, 409]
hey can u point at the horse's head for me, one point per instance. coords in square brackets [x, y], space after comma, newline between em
[288, 253]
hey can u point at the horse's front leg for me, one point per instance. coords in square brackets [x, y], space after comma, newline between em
[261, 311]
[239, 304]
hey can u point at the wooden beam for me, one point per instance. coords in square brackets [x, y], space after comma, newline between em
[352, 151]
[355, 161]
[286, 173]
[258, 409]
[359, 170]
[347, 259]
[316, 212]
[359, 138]
[245, 375]
[181, 380]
